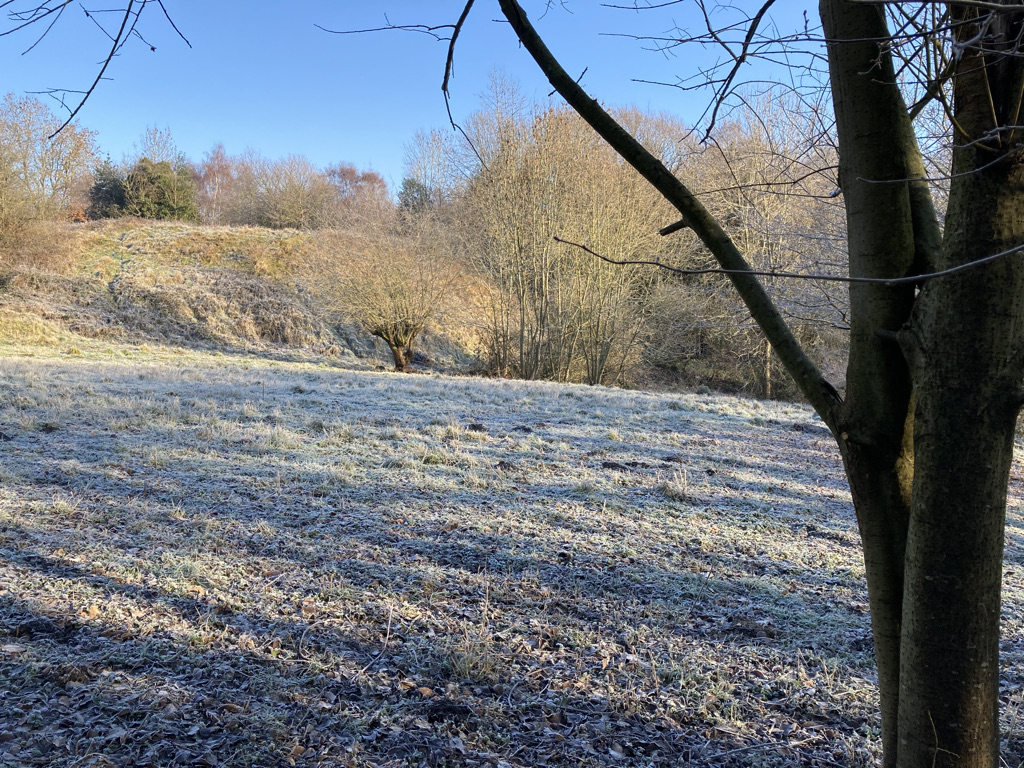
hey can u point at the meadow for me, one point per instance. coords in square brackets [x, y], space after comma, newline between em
[213, 559]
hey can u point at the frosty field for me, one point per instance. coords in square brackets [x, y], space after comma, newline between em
[208, 560]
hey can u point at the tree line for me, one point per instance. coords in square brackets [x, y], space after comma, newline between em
[66, 177]
[472, 242]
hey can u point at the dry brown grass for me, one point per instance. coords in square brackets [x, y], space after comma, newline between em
[209, 560]
[261, 252]
[29, 329]
[42, 246]
[235, 288]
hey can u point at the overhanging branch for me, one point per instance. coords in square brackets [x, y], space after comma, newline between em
[815, 388]
[118, 41]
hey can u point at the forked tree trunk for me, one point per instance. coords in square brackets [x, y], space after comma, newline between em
[928, 463]
[401, 357]
[401, 351]
[934, 381]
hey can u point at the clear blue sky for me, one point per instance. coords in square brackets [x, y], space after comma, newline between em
[260, 74]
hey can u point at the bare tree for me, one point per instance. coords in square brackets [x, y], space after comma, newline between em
[215, 185]
[358, 193]
[392, 279]
[926, 426]
[41, 177]
[435, 165]
[291, 192]
[158, 146]
[556, 311]
[769, 177]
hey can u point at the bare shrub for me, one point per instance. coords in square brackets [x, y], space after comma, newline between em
[393, 280]
[41, 244]
[558, 312]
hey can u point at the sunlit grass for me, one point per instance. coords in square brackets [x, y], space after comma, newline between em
[376, 566]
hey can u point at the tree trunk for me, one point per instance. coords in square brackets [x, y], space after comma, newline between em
[402, 354]
[874, 144]
[965, 344]
[933, 385]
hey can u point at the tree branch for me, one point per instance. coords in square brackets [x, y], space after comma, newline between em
[106, 63]
[448, 65]
[888, 282]
[997, 7]
[744, 52]
[815, 388]
[449, 62]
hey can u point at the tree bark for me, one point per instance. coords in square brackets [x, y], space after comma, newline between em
[401, 353]
[873, 147]
[965, 344]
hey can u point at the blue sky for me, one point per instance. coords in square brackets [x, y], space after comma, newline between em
[260, 74]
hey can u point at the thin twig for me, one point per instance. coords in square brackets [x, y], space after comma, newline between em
[752, 747]
[723, 93]
[33, 19]
[171, 22]
[888, 281]
[106, 63]
[303, 638]
[448, 65]
[48, 28]
[431, 31]
[997, 7]
[384, 647]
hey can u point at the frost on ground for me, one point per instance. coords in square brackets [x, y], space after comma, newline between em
[216, 561]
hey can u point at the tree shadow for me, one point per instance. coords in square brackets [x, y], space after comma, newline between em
[247, 591]
[309, 694]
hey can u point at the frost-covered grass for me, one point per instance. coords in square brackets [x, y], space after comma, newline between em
[213, 560]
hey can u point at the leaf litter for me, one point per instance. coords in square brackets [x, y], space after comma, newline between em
[235, 561]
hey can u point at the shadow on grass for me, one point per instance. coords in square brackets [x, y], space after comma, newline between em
[81, 687]
[223, 599]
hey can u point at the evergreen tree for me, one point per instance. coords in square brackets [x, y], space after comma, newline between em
[107, 197]
[160, 191]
